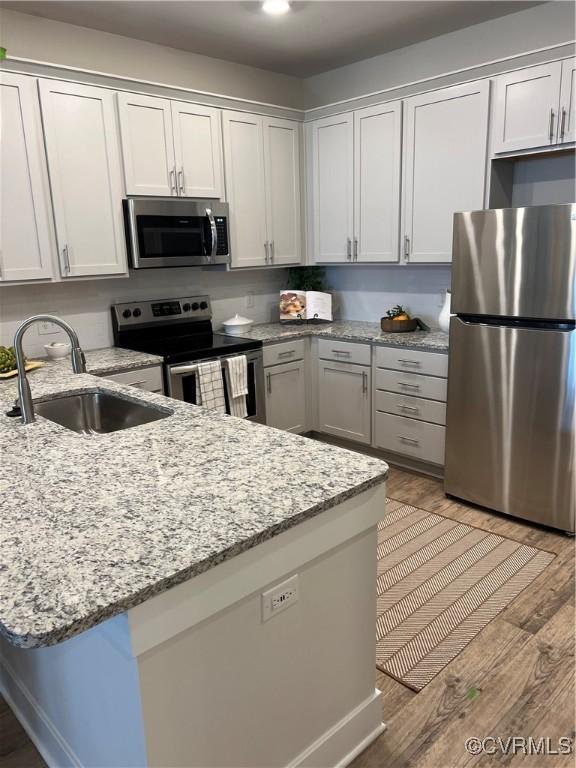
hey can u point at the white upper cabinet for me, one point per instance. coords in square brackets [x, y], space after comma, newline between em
[83, 153]
[245, 188]
[377, 156]
[567, 125]
[198, 149]
[332, 174]
[527, 109]
[262, 168]
[147, 145]
[445, 144]
[26, 241]
[282, 181]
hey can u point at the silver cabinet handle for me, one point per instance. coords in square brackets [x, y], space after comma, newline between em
[414, 363]
[66, 258]
[415, 387]
[355, 249]
[551, 129]
[406, 247]
[287, 353]
[563, 123]
[409, 409]
[181, 180]
[213, 232]
[1, 265]
[364, 382]
[409, 440]
[271, 249]
[266, 253]
[137, 383]
[172, 178]
[269, 382]
[349, 249]
[341, 352]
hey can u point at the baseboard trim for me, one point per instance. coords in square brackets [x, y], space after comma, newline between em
[41, 730]
[338, 746]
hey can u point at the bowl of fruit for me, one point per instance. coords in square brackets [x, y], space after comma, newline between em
[397, 320]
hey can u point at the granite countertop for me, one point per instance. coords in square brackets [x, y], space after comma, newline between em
[352, 330]
[93, 525]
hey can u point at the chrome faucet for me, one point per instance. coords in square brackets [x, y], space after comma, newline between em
[78, 360]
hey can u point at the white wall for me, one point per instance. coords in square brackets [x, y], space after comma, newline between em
[86, 304]
[66, 44]
[366, 292]
[538, 27]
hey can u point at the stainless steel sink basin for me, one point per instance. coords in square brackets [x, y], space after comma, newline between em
[98, 412]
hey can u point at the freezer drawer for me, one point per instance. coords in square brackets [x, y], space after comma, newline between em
[510, 425]
[515, 262]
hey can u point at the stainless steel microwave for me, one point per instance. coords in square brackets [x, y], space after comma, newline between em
[162, 232]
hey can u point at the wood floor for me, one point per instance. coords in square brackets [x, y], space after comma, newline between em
[515, 679]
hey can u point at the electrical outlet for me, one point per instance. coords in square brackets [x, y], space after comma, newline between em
[48, 329]
[280, 597]
[250, 300]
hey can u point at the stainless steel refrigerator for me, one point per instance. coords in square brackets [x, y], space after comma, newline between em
[511, 418]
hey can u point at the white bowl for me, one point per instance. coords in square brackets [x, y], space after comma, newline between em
[237, 325]
[57, 349]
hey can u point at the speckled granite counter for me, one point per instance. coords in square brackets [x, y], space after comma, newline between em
[93, 525]
[353, 330]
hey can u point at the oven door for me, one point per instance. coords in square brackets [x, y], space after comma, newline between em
[181, 384]
[176, 233]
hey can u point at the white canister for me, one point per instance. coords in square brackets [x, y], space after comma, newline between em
[444, 316]
[237, 325]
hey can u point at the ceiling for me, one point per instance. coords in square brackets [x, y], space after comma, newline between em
[315, 36]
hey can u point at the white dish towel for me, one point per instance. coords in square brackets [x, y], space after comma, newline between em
[210, 386]
[237, 380]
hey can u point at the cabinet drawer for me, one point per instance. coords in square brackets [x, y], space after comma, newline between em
[149, 379]
[412, 407]
[410, 437]
[429, 363]
[344, 351]
[411, 384]
[285, 352]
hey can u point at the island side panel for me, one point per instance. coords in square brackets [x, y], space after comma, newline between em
[79, 700]
[296, 690]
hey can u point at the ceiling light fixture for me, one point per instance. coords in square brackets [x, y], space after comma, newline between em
[276, 7]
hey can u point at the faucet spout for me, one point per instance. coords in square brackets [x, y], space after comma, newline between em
[78, 360]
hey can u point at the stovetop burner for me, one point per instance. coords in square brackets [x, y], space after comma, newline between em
[179, 330]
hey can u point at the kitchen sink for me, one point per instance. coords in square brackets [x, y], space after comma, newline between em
[92, 413]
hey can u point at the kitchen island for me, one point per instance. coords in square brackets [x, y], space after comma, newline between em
[133, 589]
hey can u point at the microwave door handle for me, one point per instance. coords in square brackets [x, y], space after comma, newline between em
[214, 232]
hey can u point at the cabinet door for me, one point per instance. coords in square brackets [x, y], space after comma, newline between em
[377, 152]
[198, 149]
[526, 108]
[147, 145]
[25, 237]
[445, 144]
[344, 400]
[286, 397]
[332, 188]
[245, 190]
[83, 153]
[282, 175]
[567, 127]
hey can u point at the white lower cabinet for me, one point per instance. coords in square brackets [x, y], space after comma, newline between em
[286, 396]
[418, 439]
[344, 400]
[149, 379]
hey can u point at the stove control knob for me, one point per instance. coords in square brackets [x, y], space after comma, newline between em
[137, 312]
[203, 305]
[195, 306]
[126, 314]
[186, 307]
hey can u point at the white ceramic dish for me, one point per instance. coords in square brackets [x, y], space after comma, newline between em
[57, 349]
[237, 325]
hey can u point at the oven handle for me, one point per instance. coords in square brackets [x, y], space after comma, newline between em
[176, 370]
[214, 232]
[179, 369]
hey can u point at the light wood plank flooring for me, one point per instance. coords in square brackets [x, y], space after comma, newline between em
[515, 679]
